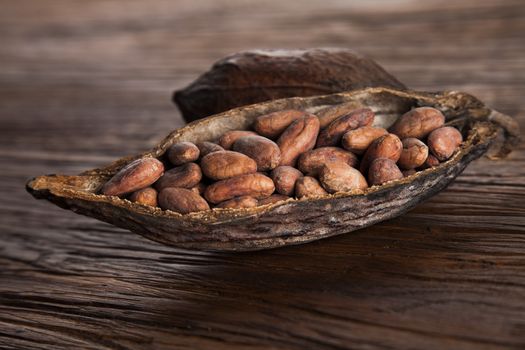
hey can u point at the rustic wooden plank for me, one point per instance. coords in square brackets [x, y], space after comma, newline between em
[83, 83]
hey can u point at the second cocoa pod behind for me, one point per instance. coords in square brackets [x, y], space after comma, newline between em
[225, 164]
[264, 151]
[299, 137]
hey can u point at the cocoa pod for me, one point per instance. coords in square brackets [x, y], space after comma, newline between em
[183, 176]
[238, 203]
[264, 151]
[206, 148]
[312, 161]
[413, 155]
[308, 186]
[273, 124]
[332, 134]
[444, 141]
[255, 185]
[182, 153]
[383, 170]
[225, 164]
[418, 123]
[274, 198]
[136, 175]
[145, 196]
[358, 140]
[284, 178]
[228, 138]
[387, 146]
[181, 200]
[255, 76]
[299, 137]
[341, 177]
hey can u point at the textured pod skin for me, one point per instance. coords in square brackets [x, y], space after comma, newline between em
[413, 155]
[298, 138]
[228, 138]
[312, 161]
[418, 123]
[284, 178]
[264, 151]
[225, 164]
[332, 134]
[146, 196]
[253, 185]
[255, 76]
[292, 221]
[444, 141]
[308, 186]
[387, 146]
[383, 170]
[134, 176]
[182, 153]
[340, 177]
[181, 200]
[357, 141]
[239, 203]
[273, 124]
[184, 176]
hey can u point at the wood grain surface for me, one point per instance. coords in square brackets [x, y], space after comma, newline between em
[85, 82]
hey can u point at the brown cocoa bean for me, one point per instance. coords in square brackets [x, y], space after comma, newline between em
[145, 196]
[387, 146]
[413, 155]
[358, 140]
[181, 200]
[383, 170]
[136, 175]
[225, 164]
[183, 176]
[255, 185]
[199, 188]
[329, 114]
[341, 177]
[284, 178]
[418, 123]
[332, 134]
[274, 198]
[299, 137]
[264, 151]
[444, 141]
[182, 153]
[408, 172]
[206, 148]
[273, 124]
[312, 161]
[308, 186]
[238, 203]
[430, 162]
[228, 138]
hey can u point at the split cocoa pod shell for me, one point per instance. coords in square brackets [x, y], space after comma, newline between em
[290, 221]
[260, 75]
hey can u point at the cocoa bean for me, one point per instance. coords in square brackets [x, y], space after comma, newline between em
[225, 164]
[264, 151]
[332, 134]
[413, 155]
[145, 196]
[284, 178]
[255, 185]
[329, 114]
[383, 170]
[299, 137]
[418, 123]
[206, 148]
[181, 200]
[341, 177]
[136, 175]
[444, 141]
[387, 146]
[308, 186]
[312, 161]
[274, 198]
[184, 176]
[273, 124]
[358, 140]
[228, 138]
[238, 203]
[430, 162]
[182, 153]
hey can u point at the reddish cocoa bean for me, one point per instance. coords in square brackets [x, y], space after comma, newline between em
[409, 172]
[145, 196]
[329, 114]
[264, 151]
[255, 185]
[206, 148]
[332, 134]
[274, 198]
[298, 138]
[308, 186]
[182, 153]
[358, 140]
[136, 175]
[181, 200]
[340, 177]
[284, 178]
[444, 141]
[228, 138]
[312, 161]
[418, 123]
[430, 162]
[238, 203]
[387, 146]
[184, 176]
[383, 170]
[414, 153]
[273, 124]
[225, 164]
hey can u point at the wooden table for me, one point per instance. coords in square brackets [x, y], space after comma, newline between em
[85, 82]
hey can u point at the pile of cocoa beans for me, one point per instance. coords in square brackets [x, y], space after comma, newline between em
[289, 154]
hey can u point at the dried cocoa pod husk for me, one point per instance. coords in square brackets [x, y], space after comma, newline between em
[255, 76]
[292, 221]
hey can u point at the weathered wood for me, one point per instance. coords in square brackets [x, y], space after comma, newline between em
[83, 83]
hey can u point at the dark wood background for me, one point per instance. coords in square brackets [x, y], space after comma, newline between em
[85, 82]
